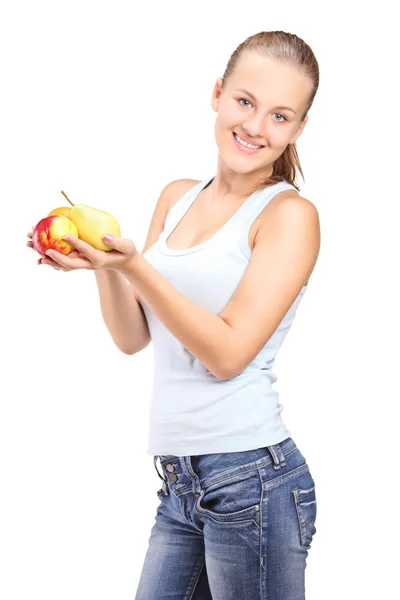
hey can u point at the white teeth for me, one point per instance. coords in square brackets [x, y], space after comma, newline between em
[245, 143]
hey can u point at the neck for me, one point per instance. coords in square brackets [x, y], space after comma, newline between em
[230, 184]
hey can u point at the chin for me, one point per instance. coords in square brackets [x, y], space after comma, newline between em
[241, 164]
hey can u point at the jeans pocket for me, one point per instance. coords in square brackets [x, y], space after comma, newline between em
[233, 499]
[306, 508]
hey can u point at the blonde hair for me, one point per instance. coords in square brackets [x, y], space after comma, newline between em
[290, 49]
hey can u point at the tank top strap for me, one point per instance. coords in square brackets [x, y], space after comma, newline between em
[182, 205]
[259, 202]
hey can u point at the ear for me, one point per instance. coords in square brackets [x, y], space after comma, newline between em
[299, 131]
[216, 94]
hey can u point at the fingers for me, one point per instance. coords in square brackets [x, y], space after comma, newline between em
[123, 245]
[46, 260]
[67, 262]
[51, 263]
[83, 247]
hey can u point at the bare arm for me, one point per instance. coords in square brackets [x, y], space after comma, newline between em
[122, 312]
[284, 256]
[120, 305]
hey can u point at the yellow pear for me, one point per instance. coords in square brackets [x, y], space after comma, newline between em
[93, 223]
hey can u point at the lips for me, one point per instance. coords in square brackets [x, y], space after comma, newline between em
[248, 140]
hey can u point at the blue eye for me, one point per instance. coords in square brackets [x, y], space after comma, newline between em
[245, 100]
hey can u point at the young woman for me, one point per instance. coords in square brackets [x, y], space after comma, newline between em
[225, 265]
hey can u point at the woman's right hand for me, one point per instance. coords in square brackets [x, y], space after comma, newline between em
[46, 260]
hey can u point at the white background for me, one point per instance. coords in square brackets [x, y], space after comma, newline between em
[109, 103]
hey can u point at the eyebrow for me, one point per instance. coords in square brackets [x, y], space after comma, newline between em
[254, 98]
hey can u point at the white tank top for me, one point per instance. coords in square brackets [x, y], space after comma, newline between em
[193, 412]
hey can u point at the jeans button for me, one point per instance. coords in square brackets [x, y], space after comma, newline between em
[170, 468]
[173, 477]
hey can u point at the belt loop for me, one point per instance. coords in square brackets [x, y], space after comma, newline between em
[155, 465]
[277, 456]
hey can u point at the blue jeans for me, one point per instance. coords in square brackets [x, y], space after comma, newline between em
[231, 526]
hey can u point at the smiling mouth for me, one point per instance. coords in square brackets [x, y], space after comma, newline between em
[257, 146]
[246, 149]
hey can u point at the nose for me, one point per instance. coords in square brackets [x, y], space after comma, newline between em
[254, 128]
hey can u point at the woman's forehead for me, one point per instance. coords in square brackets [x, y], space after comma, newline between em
[262, 76]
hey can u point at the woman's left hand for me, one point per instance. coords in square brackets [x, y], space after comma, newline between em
[90, 258]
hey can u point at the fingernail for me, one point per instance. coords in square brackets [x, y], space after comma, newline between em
[66, 237]
[107, 238]
[48, 253]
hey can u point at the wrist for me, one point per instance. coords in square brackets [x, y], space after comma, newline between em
[131, 264]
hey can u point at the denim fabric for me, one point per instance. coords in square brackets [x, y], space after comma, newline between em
[231, 526]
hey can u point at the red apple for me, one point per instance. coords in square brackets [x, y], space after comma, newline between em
[49, 232]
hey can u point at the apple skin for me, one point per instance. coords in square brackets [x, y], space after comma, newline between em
[49, 232]
[65, 211]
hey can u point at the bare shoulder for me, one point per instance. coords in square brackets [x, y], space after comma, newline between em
[169, 195]
[291, 198]
[291, 207]
[176, 189]
[301, 206]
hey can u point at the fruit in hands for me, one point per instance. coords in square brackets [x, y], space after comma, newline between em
[49, 232]
[65, 211]
[93, 223]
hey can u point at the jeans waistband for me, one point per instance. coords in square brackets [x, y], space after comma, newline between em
[276, 451]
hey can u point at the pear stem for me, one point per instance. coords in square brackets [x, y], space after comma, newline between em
[64, 194]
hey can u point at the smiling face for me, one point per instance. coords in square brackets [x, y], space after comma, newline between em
[252, 106]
